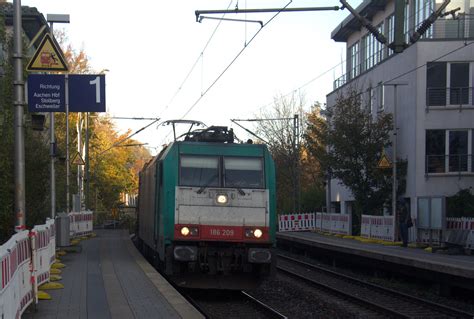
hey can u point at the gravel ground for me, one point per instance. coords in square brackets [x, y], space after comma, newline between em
[406, 285]
[296, 300]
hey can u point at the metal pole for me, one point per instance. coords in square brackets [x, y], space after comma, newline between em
[86, 155]
[394, 165]
[298, 166]
[295, 165]
[52, 153]
[394, 145]
[18, 118]
[79, 167]
[68, 170]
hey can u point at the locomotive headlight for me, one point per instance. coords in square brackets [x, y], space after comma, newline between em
[185, 231]
[253, 233]
[257, 233]
[222, 199]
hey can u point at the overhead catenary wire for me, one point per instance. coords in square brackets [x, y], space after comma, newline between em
[128, 137]
[233, 60]
[199, 58]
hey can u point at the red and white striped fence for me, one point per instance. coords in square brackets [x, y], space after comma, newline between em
[80, 224]
[378, 227]
[296, 222]
[333, 223]
[25, 262]
[461, 223]
[43, 239]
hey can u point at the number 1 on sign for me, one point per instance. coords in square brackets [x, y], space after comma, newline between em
[97, 88]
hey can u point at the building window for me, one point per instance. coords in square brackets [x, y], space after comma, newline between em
[390, 33]
[368, 52]
[354, 60]
[448, 151]
[448, 83]
[436, 83]
[459, 83]
[458, 151]
[370, 100]
[406, 22]
[423, 9]
[435, 150]
[380, 96]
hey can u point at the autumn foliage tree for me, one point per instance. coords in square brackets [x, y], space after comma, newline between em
[350, 147]
[298, 178]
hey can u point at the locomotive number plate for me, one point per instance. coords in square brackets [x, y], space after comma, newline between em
[221, 232]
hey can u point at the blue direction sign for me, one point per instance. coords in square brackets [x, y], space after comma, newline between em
[86, 93]
[46, 93]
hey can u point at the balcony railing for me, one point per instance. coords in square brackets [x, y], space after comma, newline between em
[449, 97]
[455, 163]
[460, 28]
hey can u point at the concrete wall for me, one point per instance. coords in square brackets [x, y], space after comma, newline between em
[413, 119]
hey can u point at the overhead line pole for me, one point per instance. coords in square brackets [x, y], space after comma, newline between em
[296, 148]
[268, 10]
[18, 116]
[247, 130]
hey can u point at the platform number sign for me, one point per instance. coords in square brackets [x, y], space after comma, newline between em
[96, 82]
[86, 93]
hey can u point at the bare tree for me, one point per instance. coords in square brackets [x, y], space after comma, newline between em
[280, 127]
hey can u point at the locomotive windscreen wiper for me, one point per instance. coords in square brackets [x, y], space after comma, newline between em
[206, 184]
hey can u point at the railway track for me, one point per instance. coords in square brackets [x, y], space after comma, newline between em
[371, 296]
[231, 304]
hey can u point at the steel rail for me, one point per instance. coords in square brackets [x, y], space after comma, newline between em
[450, 311]
[266, 308]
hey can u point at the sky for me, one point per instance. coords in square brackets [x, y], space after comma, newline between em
[150, 48]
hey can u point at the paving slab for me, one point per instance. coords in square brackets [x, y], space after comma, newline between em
[455, 265]
[109, 278]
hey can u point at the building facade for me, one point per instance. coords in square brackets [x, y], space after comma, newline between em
[434, 102]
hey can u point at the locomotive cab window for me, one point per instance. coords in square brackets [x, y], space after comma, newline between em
[243, 172]
[199, 171]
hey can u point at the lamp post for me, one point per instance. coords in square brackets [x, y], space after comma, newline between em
[394, 145]
[327, 114]
[53, 18]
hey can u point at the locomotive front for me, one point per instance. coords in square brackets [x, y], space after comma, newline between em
[224, 221]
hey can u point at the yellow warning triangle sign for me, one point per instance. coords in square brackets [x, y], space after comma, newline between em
[384, 162]
[77, 159]
[48, 57]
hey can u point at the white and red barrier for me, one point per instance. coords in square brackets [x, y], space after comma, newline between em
[378, 227]
[25, 260]
[333, 223]
[296, 222]
[43, 238]
[17, 290]
[460, 223]
[80, 224]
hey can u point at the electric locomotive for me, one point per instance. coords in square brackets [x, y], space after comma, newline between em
[206, 211]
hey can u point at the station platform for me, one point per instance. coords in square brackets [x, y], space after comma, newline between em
[109, 278]
[451, 269]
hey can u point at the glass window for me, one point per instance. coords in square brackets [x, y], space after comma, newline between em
[368, 51]
[379, 46]
[354, 60]
[436, 83]
[380, 96]
[199, 171]
[458, 151]
[459, 83]
[243, 172]
[435, 151]
[390, 33]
